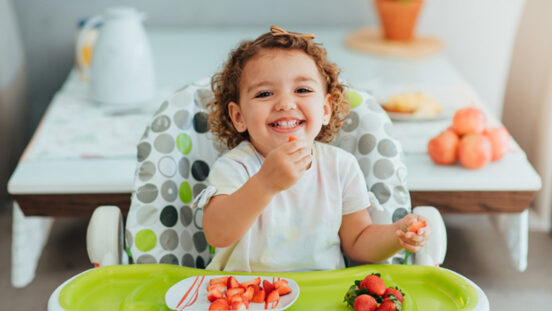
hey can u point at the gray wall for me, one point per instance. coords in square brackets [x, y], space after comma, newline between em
[48, 28]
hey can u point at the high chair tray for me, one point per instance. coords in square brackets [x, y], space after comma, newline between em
[143, 287]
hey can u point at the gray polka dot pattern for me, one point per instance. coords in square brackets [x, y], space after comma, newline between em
[147, 170]
[186, 215]
[169, 191]
[182, 119]
[184, 167]
[383, 169]
[381, 191]
[160, 124]
[399, 213]
[387, 148]
[164, 143]
[167, 166]
[366, 143]
[146, 259]
[169, 259]
[169, 240]
[186, 240]
[144, 150]
[351, 122]
[147, 193]
[160, 229]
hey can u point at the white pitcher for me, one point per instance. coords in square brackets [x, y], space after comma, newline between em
[122, 70]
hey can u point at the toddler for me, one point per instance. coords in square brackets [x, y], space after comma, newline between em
[282, 199]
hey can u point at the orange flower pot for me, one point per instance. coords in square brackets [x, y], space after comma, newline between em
[398, 18]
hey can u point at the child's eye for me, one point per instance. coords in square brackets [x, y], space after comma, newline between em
[263, 94]
[303, 90]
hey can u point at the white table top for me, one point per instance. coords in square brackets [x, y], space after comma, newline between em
[185, 55]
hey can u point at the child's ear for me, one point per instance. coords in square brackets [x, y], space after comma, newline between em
[237, 118]
[327, 110]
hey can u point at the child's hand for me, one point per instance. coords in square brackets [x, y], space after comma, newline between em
[284, 165]
[414, 231]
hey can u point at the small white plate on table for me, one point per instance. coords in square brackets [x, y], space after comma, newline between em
[191, 293]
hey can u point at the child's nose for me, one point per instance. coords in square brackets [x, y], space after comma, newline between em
[285, 103]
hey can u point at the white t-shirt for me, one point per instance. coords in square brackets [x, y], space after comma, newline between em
[299, 229]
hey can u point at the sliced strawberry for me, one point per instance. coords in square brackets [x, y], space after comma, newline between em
[219, 304]
[234, 291]
[214, 295]
[393, 291]
[416, 226]
[249, 292]
[373, 284]
[239, 298]
[291, 138]
[221, 287]
[232, 282]
[259, 296]
[268, 287]
[283, 289]
[239, 305]
[223, 279]
[272, 300]
[255, 281]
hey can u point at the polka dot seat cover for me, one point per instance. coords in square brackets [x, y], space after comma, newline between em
[177, 150]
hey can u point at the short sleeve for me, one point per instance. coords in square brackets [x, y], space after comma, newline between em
[355, 193]
[226, 176]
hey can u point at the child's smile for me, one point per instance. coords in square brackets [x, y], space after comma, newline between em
[282, 93]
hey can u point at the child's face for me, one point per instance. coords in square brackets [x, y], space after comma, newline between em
[282, 94]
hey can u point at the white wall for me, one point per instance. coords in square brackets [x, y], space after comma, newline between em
[478, 34]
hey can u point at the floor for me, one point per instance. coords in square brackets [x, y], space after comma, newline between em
[475, 250]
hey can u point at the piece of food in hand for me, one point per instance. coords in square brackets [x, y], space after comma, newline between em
[365, 303]
[292, 138]
[500, 139]
[219, 304]
[416, 226]
[395, 292]
[373, 284]
[442, 148]
[474, 151]
[469, 120]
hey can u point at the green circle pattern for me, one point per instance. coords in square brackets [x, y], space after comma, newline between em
[185, 192]
[145, 240]
[184, 143]
[355, 99]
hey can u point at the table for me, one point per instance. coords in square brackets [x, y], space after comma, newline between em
[64, 172]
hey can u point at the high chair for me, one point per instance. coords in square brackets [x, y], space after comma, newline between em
[175, 154]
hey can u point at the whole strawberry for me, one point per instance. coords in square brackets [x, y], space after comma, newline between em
[365, 303]
[393, 291]
[390, 305]
[373, 284]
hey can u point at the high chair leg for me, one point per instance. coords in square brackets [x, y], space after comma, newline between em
[104, 236]
[433, 253]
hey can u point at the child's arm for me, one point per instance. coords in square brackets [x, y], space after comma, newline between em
[228, 217]
[366, 242]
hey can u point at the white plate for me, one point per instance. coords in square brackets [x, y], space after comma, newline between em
[196, 286]
[397, 116]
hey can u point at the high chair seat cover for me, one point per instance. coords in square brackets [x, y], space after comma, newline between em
[177, 150]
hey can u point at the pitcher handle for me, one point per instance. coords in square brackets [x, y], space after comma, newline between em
[89, 24]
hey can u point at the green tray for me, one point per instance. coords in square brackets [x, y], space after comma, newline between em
[143, 287]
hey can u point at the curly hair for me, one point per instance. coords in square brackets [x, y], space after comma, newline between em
[225, 84]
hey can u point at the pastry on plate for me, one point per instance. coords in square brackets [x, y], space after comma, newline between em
[416, 103]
